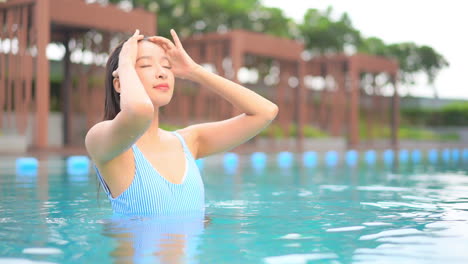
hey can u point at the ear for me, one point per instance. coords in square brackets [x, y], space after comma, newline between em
[116, 84]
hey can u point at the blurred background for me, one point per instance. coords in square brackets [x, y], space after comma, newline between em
[366, 162]
[346, 75]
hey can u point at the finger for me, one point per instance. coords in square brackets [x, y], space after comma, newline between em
[137, 37]
[163, 45]
[163, 40]
[176, 38]
[133, 40]
[140, 37]
[157, 40]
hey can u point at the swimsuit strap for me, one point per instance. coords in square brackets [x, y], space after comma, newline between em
[101, 180]
[184, 145]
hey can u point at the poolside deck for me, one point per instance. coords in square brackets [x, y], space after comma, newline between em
[268, 146]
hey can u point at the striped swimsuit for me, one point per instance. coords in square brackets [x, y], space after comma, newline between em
[151, 194]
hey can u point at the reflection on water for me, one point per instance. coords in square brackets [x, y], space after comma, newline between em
[161, 239]
[363, 214]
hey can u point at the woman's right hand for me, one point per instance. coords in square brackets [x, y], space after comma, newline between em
[128, 54]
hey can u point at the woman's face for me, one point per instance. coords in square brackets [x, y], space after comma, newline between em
[154, 70]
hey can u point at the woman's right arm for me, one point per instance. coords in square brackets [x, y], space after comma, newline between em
[108, 139]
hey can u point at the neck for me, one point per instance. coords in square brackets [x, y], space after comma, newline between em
[152, 133]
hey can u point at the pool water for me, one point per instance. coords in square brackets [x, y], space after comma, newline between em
[411, 214]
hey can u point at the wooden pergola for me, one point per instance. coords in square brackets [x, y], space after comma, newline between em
[339, 108]
[25, 70]
[343, 102]
[33, 24]
[215, 48]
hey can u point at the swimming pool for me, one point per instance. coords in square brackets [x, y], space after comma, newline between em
[367, 214]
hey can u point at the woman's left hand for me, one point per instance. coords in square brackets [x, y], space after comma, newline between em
[181, 63]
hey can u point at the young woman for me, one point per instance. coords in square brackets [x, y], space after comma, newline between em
[149, 171]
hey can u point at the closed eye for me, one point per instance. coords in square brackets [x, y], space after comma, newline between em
[168, 67]
[145, 66]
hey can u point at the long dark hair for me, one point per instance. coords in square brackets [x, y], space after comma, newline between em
[112, 101]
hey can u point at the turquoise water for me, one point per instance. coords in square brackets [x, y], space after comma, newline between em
[413, 214]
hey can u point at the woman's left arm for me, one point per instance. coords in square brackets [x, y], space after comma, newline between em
[221, 136]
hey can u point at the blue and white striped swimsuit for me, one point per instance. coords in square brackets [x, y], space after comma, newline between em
[151, 194]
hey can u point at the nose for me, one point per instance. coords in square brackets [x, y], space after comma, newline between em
[161, 74]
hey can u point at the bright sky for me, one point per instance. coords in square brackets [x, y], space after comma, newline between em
[439, 24]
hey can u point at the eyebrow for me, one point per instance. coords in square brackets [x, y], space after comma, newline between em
[150, 57]
[144, 57]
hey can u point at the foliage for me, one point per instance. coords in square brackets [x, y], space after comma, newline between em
[169, 127]
[323, 35]
[455, 114]
[277, 132]
[320, 31]
[196, 16]
[412, 59]
[312, 132]
[424, 134]
[407, 132]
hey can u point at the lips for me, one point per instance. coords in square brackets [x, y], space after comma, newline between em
[162, 87]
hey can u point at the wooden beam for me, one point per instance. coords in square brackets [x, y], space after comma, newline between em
[79, 14]
[12, 3]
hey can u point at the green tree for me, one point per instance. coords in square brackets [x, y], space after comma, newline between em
[198, 16]
[374, 46]
[324, 35]
[408, 59]
[412, 59]
[431, 64]
[320, 31]
[273, 21]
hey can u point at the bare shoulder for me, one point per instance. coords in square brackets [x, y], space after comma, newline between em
[93, 137]
[190, 136]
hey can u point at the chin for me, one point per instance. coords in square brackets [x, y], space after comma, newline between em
[161, 102]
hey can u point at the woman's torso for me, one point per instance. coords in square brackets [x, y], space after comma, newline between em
[146, 182]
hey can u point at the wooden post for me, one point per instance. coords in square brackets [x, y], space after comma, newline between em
[25, 73]
[16, 70]
[300, 105]
[66, 92]
[395, 114]
[2, 74]
[237, 56]
[353, 139]
[337, 106]
[218, 63]
[281, 96]
[323, 106]
[42, 14]
[9, 78]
